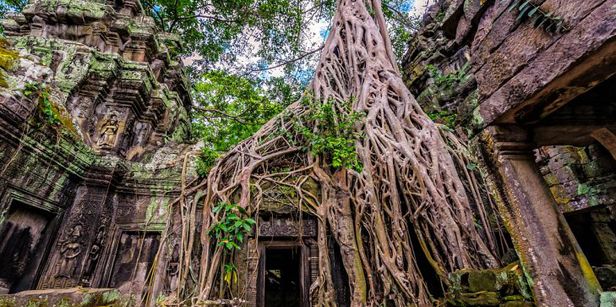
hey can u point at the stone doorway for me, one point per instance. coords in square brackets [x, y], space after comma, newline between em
[283, 278]
[135, 252]
[23, 236]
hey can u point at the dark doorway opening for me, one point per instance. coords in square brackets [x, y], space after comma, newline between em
[282, 277]
[595, 230]
[23, 236]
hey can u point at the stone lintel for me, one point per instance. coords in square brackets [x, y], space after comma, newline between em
[570, 66]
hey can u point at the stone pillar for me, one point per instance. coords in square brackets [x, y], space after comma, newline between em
[558, 271]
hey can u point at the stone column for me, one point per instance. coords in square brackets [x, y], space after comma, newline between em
[556, 268]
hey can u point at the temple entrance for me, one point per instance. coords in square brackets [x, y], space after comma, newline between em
[22, 234]
[282, 277]
[595, 231]
[134, 257]
[286, 263]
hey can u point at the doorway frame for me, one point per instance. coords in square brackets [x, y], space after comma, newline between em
[304, 289]
[24, 198]
[112, 251]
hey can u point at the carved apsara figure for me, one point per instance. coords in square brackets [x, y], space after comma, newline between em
[173, 270]
[109, 130]
[70, 248]
[93, 256]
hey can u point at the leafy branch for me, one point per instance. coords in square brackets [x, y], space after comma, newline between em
[235, 225]
[329, 128]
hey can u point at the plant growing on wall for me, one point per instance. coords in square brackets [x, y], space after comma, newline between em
[330, 132]
[48, 113]
[549, 21]
[233, 228]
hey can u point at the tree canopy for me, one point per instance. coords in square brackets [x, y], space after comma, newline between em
[252, 58]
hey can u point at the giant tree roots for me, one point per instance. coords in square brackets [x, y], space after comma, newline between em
[413, 197]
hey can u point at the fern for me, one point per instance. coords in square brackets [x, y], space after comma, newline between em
[527, 10]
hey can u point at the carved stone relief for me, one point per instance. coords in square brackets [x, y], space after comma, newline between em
[107, 134]
[274, 226]
[70, 247]
[93, 255]
[173, 266]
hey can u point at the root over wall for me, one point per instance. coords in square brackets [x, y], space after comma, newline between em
[413, 197]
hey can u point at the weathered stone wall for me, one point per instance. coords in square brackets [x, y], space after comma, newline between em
[579, 177]
[92, 126]
[530, 83]
[467, 53]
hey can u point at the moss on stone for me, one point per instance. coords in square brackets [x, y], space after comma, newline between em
[77, 9]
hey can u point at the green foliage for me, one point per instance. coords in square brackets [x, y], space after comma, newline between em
[7, 6]
[234, 226]
[329, 129]
[471, 166]
[440, 16]
[230, 275]
[46, 109]
[231, 108]
[7, 61]
[206, 160]
[401, 24]
[539, 18]
[443, 117]
[212, 28]
[448, 81]
[583, 189]
[48, 114]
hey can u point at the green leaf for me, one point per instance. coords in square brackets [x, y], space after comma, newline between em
[514, 4]
[533, 11]
[521, 14]
[471, 166]
[524, 5]
[217, 208]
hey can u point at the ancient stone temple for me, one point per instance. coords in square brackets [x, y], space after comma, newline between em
[93, 117]
[96, 152]
[531, 83]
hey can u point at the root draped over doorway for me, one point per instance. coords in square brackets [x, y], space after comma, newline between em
[412, 196]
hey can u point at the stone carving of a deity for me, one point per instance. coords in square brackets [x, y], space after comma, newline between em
[109, 131]
[173, 269]
[70, 248]
[94, 255]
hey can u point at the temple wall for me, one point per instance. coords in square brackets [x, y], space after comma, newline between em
[93, 130]
[473, 61]
[530, 84]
